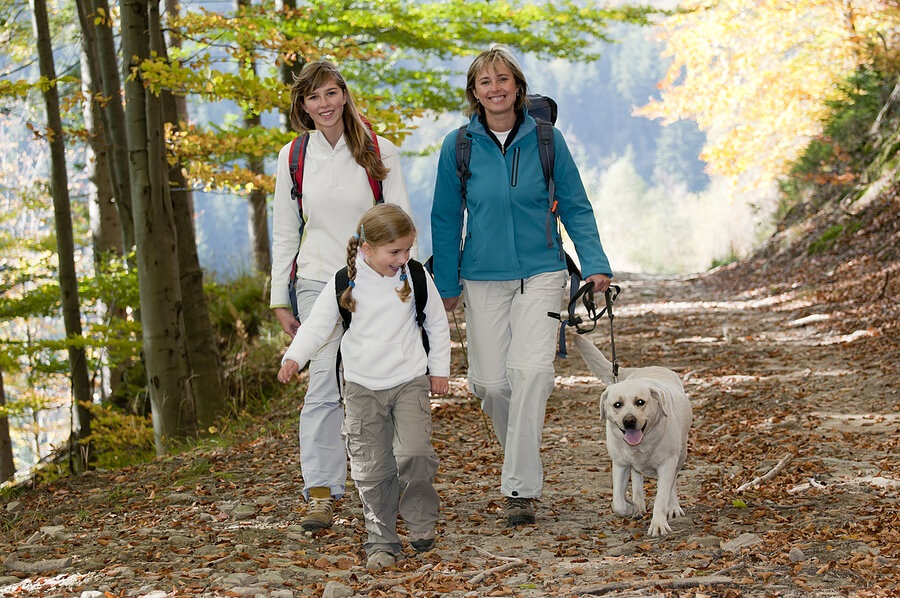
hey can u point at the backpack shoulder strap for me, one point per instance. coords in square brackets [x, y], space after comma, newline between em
[377, 186]
[420, 295]
[547, 151]
[463, 155]
[341, 282]
[295, 164]
[420, 289]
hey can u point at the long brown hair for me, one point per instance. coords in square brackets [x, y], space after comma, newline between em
[381, 224]
[495, 55]
[357, 134]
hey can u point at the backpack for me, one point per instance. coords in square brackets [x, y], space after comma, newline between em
[544, 111]
[295, 164]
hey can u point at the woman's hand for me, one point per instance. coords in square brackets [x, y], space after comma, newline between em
[288, 322]
[450, 303]
[288, 370]
[601, 282]
[440, 385]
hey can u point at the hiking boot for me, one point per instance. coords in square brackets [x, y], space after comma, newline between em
[519, 511]
[423, 545]
[320, 509]
[380, 560]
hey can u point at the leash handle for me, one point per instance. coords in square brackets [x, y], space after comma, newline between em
[612, 339]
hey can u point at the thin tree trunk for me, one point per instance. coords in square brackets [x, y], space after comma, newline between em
[207, 377]
[98, 17]
[7, 466]
[164, 353]
[259, 214]
[106, 227]
[68, 283]
[290, 65]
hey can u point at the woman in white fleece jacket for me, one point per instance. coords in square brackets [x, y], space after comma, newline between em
[388, 375]
[335, 193]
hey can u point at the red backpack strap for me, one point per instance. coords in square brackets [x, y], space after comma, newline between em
[377, 186]
[295, 164]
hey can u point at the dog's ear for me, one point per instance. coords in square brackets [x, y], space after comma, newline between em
[603, 404]
[658, 397]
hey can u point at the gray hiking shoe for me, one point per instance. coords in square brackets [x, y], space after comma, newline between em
[423, 545]
[380, 560]
[320, 510]
[519, 511]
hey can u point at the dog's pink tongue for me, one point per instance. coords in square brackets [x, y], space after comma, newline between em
[633, 437]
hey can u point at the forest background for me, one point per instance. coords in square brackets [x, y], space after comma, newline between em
[755, 106]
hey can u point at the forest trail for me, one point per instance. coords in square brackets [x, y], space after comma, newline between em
[768, 374]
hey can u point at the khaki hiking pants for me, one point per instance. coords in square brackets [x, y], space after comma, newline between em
[511, 347]
[392, 460]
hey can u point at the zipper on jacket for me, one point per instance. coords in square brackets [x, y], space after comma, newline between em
[515, 167]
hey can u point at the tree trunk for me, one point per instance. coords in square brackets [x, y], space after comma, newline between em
[106, 227]
[259, 214]
[207, 377]
[113, 112]
[164, 353]
[290, 65]
[65, 242]
[7, 466]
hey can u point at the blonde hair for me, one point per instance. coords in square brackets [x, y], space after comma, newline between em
[356, 130]
[381, 224]
[495, 55]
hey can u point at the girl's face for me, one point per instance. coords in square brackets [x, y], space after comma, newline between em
[495, 89]
[387, 259]
[325, 106]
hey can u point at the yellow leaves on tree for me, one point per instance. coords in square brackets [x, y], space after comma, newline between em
[757, 75]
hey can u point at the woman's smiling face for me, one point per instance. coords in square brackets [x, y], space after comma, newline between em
[325, 106]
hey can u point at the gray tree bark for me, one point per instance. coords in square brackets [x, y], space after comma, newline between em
[113, 112]
[65, 242]
[161, 307]
[205, 362]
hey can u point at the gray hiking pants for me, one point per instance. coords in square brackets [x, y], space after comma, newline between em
[392, 461]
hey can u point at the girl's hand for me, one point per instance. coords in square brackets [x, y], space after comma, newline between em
[288, 322]
[440, 385]
[288, 370]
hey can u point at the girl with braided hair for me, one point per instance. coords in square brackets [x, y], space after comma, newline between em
[387, 378]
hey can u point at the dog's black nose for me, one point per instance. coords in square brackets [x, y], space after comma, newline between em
[630, 422]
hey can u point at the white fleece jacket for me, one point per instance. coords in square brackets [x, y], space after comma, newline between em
[383, 346]
[336, 193]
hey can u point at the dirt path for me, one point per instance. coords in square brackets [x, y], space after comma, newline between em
[767, 377]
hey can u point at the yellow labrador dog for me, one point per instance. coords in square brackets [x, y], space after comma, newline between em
[648, 417]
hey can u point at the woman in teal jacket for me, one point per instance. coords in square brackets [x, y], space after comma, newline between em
[509, 272]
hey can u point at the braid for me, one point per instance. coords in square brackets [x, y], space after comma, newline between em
[347, 300]
[404, 291]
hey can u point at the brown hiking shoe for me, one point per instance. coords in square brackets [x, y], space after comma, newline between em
[320, 509]
[519, 511]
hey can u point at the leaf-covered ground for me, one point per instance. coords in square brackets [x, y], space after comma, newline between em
[792, 365]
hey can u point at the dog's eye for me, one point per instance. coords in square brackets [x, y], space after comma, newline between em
[617, 405]
[640, 402]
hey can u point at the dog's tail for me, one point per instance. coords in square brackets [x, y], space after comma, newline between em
[599, 365]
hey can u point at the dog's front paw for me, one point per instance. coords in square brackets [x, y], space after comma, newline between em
[626, 508]
[658, 528]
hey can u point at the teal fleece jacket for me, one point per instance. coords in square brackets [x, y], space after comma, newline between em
[507, 201]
